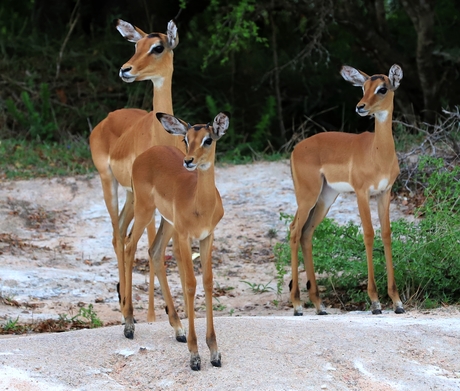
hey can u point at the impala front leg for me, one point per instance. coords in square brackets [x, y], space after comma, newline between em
[206, 265]
[157, 258]
[190, 289]
[384, 217]
[368, 231]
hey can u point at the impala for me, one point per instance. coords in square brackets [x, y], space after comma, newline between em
[182, 188]
[329, 163]
[124, 134]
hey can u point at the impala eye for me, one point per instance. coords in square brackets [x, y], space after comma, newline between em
[208, 141]
[157, 49]
[382, 91]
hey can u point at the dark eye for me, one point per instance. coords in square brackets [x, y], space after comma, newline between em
[157, 49]
[208, 141]
[382, 91]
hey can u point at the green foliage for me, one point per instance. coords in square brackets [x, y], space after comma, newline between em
[259, 288]
[233, 31]
[425, 253]
[89, 316]
[11, 325]
[21, 159]
[38, 122]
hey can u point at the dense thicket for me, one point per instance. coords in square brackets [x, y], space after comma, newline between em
[273, 64]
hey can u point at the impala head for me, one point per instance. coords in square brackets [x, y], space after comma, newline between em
[153, 59]
[378, 90]
[200, 140]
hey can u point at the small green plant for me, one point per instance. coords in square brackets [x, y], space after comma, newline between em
[259, 288]
[90, 316]
[11, 325]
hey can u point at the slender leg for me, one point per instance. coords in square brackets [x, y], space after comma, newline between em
[180, 266]
[384, 217]
[151, 232]
[312, 186]
[157, 257]
[368, 231]
[141, 219]
[206, 264]
[325, 200]
[300, 218]
[190, 289]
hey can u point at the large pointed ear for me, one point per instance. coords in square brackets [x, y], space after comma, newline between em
[128, 31]
[173, 36]
[395, 75]
[220, 125]
[354, 76]
[173, 125]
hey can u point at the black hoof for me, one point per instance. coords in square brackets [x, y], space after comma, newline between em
[195, 364]
[298, 313]
[181, 338]
[216, 363]
[399, 310]
[376, 312]
[322, 312]
[129, 334]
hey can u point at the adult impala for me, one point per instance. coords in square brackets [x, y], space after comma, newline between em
[329, 163]
[124, 134]
[183, 189]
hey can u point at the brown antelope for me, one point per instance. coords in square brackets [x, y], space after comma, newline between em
[124, 134]
[182, 188]
[329, 163]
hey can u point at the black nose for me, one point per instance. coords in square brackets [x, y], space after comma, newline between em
[127, 69]
[188, 161]
[360, 107]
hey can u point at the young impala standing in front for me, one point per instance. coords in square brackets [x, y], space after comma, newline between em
[329, 163]
[182, 188]
[118, 139]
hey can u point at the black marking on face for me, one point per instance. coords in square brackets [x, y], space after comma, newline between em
[198, 127]
[154, 35]
[376, 77]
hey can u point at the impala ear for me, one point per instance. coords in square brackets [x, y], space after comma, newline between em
[395, 75]
[173, 125]
[173, 36]
[220, 124]
[354, 76]
[128, 31]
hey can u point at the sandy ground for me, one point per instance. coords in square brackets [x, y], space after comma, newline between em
[56, 255]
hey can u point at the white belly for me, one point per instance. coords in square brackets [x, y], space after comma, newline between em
[345, 187]
[341, 187]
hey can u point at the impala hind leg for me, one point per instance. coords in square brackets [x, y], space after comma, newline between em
[325, 200]
[157, 259]
[206, 265]
[383, 202]
[300, 218]
[368, 233]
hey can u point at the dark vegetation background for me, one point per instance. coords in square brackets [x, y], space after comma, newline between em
[273, 64]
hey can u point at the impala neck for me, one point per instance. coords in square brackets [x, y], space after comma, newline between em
[383, 139]
[162, 96]
[206, 184]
